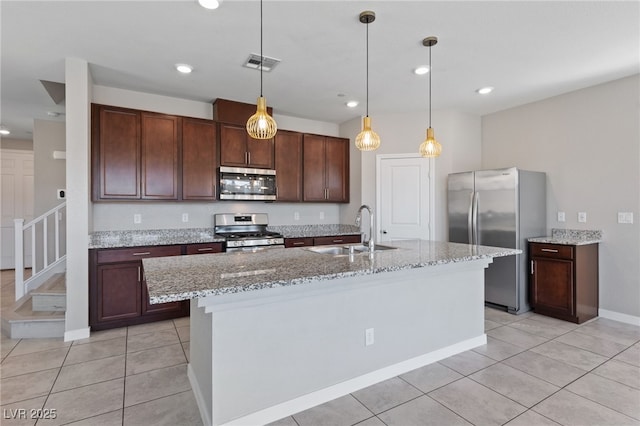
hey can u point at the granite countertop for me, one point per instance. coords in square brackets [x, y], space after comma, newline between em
[161, 237]
[572, 237]
[185, 277]
[152, 237]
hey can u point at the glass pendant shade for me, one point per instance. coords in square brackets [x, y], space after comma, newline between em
[261, 125]
[430, 148]
[367, 139]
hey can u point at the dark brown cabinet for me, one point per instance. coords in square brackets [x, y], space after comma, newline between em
[288, 165]
[326, 169]
[336, 239]
[115, 139]
[298, 242]
[159, 157]
[238, 149]
[135, 154]
[564, 280]
[199, 159]
[204, 248]
[117, 290]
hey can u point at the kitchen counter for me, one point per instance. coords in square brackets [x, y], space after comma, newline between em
[180, 278]
[573, 237]
[278, 331]
[160, 237]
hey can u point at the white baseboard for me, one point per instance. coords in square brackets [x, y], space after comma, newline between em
[204, 414]
[81, 333]
[321, 396]
[617, 316]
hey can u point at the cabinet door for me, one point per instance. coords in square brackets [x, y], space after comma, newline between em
[337, 169]
[288, 164]
[204, 248]
[298, 242]
[260, 152]
[552, 285]
[116, 153]
[118, 291]
[314, 188]
[233, 146]
[199, 146]
[159, 156]
[336, 239]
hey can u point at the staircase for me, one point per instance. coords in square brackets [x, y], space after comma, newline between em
[40, 300]
[38, 314]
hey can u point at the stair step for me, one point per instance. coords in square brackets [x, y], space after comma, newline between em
[44, 327]
[50, 296]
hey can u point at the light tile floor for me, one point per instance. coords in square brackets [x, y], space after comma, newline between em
[534, 370]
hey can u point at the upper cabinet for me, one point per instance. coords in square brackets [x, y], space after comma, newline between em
[199, 159]
[116, 153]
[135, 154]
[238, 149]
[326, 169]
[288, 165]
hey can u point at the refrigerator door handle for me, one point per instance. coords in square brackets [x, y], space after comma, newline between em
[470, 218]
[476, 196]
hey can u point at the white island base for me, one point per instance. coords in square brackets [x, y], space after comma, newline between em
[258, 356]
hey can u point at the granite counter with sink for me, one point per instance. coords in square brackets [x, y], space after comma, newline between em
[277, 331]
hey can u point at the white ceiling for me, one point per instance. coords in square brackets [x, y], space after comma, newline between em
[527, 50]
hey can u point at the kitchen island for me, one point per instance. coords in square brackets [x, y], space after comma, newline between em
[281, 330]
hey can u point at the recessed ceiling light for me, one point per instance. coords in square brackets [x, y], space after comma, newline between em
[210, 4]
[352, 104]
[485, 90]
[421, 70]
[4, 131]
[184, 68]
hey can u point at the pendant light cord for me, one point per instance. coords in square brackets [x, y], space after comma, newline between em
[367, 69]
[430, 72]
[261, 56]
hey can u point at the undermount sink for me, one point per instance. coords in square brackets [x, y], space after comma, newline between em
[344, 250]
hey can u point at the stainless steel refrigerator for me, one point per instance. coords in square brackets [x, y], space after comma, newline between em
[500, 208]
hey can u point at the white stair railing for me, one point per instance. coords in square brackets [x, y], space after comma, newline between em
[38, 268]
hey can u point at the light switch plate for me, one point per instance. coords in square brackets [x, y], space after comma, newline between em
[137, 218]
[561, 217]
[185, 217]
[625, 217]
[582, 217]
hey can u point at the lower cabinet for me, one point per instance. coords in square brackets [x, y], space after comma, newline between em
[118, 293]
[564, 280]
[321, 241]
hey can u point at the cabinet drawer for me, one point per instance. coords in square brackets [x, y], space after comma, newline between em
[203, 248]
[556, 251]
[298, 242]
[137, 253]
[338, 239]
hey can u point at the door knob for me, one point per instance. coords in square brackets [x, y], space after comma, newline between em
[383, 231]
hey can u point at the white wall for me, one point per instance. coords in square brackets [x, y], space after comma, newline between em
[458, 133]
[108, 216]
[12, 143]
[48, 136]
[587, 142]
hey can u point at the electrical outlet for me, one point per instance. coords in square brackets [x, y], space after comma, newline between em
[137, 218]
[61, 194]
[582, 217]
[625, 217]
[369, 337]
[321, 215]
[560, 216]
[185, 217]
[296, 215]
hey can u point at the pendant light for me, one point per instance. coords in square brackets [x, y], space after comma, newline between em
[367, 139]
[430, 148]
[261, 125]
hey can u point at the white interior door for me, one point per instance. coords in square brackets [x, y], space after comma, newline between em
[16, 167]
[405, 192]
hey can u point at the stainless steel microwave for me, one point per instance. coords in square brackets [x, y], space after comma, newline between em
[237, 183]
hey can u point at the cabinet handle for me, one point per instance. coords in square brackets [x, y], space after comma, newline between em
[532, 267]
[142, 253]
[338, 241]
[139, 274]
[298, 243]
[248, 158]
[549, 250]
[205, 249]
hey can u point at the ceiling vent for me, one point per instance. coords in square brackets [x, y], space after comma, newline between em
[267, 64]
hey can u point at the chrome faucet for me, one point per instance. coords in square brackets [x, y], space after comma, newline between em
[370, 243]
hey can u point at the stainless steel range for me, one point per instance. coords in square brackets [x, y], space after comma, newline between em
[246, 231]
